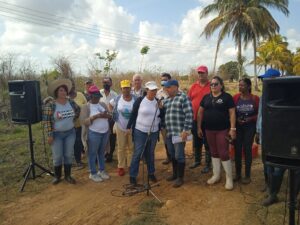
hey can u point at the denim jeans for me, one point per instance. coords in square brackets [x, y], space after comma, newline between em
[63, 147]
[96, 148]
[140, 139]
[176, 150]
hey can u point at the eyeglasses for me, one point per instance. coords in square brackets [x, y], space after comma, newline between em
[214, 84]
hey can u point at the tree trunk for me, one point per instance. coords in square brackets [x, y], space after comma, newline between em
[255, 66]
[240, 56]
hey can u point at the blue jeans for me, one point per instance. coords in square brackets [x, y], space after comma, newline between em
[96, 148]
[63, 147]
[140, 139]
[176, 150]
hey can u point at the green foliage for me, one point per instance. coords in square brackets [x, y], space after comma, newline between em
[229, 71]
[108, 58]
[145, 50]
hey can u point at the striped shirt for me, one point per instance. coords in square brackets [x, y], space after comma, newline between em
[179, 114]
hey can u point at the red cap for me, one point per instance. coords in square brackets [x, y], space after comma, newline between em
[202, 69]
[93, 89]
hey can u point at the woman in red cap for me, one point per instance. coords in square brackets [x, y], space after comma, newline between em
[94, 115]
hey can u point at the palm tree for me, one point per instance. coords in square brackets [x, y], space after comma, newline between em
[296, 62]
[244, 20]
[144, 51]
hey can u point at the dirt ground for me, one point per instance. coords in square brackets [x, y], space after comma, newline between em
[195, 203]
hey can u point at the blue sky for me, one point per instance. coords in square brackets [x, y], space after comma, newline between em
[171, 28]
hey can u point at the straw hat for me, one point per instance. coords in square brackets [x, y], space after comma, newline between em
[56, 84]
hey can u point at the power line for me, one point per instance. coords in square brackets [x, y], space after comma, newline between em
[54, 19]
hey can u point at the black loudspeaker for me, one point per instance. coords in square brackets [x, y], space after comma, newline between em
[25, 101]
[281, 121]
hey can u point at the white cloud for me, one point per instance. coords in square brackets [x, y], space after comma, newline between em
[116, 26]
[293, 38]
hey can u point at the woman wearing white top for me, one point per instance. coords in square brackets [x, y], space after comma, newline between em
[94, 115]
[144, 122]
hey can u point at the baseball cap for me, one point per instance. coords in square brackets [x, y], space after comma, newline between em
[151, 85]
[202, 69]
[170, 83]
[270, 73]
[125, 83]
[94, 90]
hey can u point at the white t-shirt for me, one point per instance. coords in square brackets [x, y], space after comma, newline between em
[146, 114]
[106, 99]
[124, 110]
[99, 125]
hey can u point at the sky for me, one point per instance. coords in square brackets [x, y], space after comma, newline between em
[42, 30]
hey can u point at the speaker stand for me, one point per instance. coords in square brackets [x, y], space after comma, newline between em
[33, 164]
[292, 200]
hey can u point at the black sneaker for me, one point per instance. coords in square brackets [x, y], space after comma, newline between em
[132, 181]
[206, 169]
[195, 165]
[166, 161]
[152, 178]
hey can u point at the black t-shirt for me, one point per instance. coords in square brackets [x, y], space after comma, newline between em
[216, 111]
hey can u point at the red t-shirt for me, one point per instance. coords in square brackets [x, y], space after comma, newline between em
[196, 94]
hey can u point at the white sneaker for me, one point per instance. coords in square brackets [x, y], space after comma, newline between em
[95, 178]
[103, 175]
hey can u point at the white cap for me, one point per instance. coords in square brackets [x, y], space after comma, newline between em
[151, 85]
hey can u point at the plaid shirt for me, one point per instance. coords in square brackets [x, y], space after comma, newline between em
[179, 114]
[48, 115]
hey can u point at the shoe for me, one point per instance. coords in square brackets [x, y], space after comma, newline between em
[228, 171]
[95, 178]
[57, 175]
[270, 200]
[216, 162]
[178, 183]
[237, 178]
[174, 168]
[246, 180]
[108, 160]
[206, 169]
[132, 181]
[79, 166]
[68, 178]
[121, 172]
[152, 178]
[103, 174]
[195, 165]
[166, 161]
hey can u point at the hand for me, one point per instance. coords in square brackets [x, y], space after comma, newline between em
[184, 135]
[50, 140]
[232, 134]
[128, 131]
[200, 133]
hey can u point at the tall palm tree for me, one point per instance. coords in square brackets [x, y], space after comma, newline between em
[244, 20]
[296, 62]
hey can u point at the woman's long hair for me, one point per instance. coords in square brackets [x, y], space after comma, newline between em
[220, 80]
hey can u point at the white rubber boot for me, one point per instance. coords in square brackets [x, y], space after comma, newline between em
[228, 170]
[216, 164]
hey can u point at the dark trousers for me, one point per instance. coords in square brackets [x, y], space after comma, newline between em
[78, 146]
[112, 142]
[197, 145]
[244, 140]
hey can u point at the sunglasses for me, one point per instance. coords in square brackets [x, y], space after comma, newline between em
[214, 84]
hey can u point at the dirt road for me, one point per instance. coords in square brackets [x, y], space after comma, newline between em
[195, 203]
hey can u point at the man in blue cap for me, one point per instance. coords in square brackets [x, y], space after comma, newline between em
[273, 175]
[178, 120]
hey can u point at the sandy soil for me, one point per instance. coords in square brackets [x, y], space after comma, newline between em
[93, 203]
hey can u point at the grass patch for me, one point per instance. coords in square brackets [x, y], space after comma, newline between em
[147, 214]
[15, 158]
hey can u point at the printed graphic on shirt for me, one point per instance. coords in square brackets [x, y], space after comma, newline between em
[126, 112]
[245, 108]
[64, 114]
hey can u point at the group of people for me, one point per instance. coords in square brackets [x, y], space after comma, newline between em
[133, 120]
